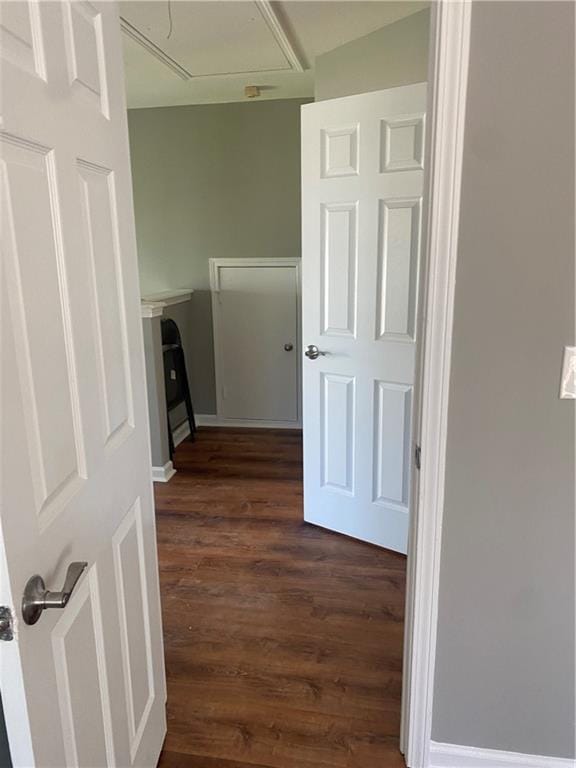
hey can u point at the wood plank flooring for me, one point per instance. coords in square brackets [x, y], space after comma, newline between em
[283, 641]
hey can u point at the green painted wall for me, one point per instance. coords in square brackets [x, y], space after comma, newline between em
[218, 180]
[394, 55]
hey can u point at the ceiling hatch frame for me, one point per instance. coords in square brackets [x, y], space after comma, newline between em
[277, 27]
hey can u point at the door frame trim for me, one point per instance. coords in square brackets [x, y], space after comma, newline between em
[215, 264]
[448, 79]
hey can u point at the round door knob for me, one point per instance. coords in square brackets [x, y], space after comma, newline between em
[288, 347]
[312, 352]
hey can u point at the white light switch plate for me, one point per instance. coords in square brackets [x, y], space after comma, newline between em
[568, 382]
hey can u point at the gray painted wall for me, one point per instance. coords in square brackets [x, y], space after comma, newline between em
[505, 657]
[219, 180]
[394, 55]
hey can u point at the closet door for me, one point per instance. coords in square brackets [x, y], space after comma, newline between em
[256, 339]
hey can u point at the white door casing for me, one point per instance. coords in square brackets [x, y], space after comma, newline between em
[255, 309]
[362, 182]
[85, 685]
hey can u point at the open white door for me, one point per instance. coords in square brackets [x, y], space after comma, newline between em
[362, 182]
[84, 686]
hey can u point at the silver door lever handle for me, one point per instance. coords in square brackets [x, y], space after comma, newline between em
[312, 352]
[36, 597]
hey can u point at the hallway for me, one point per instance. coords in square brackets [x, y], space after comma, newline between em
[283, 641]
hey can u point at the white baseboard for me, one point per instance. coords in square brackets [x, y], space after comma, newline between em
[455, 756]
[212, 420]
[181, 433]
[163, 474]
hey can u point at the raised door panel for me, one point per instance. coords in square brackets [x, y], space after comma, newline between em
[397, 285]
[392, 412]
[85, 54]
[340, 151]
[37, 274]
[134, 617]
[338, 285]
[21, 37]
[83, 698]
[97, 193]
[337, 430]
[402, 143]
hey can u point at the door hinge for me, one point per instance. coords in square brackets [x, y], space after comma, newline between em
[417, 456]
[6, 623]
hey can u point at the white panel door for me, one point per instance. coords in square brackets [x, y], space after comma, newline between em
[255, 306]
[84, 686]
[362, 181]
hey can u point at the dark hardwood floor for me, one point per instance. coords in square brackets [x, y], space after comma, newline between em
[283, 641]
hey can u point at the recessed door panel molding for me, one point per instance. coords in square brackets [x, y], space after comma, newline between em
[339, 249]
[337, 400]
[80, 663]
[45, 359]
[130, 570]
[392, 413]
[85, 49]
[402, 143]
[398, 250]
[340, 151]
[21, 37]
[101, 237]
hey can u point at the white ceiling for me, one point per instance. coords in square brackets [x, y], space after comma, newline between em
[188, 52]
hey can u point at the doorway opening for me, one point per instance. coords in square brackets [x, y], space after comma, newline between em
[290, 259]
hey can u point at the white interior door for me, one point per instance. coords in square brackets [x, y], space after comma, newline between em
[84, 686]
[255, 306]
[362, 181]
